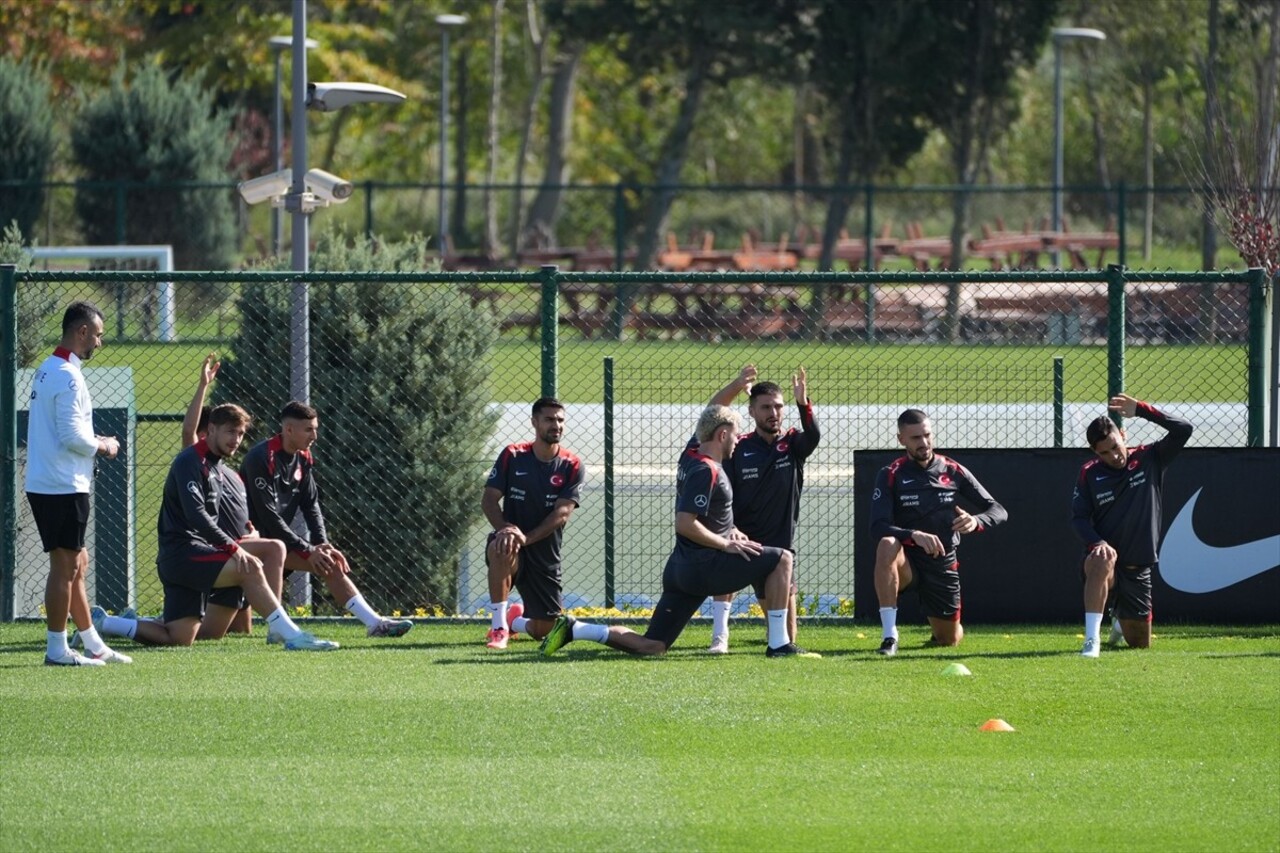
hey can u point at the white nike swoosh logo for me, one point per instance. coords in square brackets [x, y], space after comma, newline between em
[905, 481]
[1190, 565]
[748, 453]
[521, 473]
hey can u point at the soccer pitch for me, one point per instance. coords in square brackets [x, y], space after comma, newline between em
[434, 742]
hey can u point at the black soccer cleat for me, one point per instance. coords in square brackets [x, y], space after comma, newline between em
[889, 647]
[790, 650]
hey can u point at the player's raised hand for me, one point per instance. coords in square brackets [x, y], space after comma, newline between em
[743, 547]
[964, 522]
[1123, 404]
[209, 369]
[747, 376]
[800, 385]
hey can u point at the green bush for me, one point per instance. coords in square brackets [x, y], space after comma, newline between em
[399, 373]
[165, 135]
[35, 303]
[26, 138]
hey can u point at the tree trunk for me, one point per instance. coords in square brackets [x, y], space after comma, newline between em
[1099, 141]
[458, 222]
[491, 238]
[675, 149]
[526, 125]
[1209, 232]
[545, 208]
[1148, 164]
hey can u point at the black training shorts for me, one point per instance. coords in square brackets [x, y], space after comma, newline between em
[937, 583]
[61, 519]
[691, 575]
[188, 581]
[538, 584]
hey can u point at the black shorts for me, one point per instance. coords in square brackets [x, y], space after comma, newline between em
[188, 581]
[227, 596]
[61, 519]
[539, 585]
[688, 579]
[936, 581]
[1130, 597]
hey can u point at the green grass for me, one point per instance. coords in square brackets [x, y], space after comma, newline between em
[433, 742]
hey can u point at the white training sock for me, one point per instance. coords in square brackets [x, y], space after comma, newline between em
[520, 625]
[499, 611]
[280, 622]
[778, 628]
[720, 618]
[588, 631]
[118, 626]
[92, 642]
[1092, 625]
[361, 610]
[57, 644]
[889, 621]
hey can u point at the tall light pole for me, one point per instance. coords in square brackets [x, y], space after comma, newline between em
[442, 219]
[1061, 34]
[279, 44]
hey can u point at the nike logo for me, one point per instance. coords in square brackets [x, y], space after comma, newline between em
[1190, 565]
[748, 453]
[521, 473]
[907, 482]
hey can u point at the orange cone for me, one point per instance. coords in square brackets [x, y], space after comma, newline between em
[996, 725]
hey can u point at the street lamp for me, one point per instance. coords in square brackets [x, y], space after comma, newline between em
[445, 22]
[1061, 34]
[279, 44]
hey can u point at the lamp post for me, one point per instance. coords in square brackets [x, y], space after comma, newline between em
[279, 44]
[442, 219]
[1061, 34]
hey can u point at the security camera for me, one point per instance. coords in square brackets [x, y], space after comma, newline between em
[267, 187]
[328, 186]
[327, 97]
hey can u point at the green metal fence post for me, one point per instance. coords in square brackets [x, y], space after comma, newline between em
[368, 210]
[8, 439]
[550, 312]
[608, 484]
[120, 214]
[619, 227]
[1059, 394]
[1122, 205]
[870, 262]
[1116, 330]
[1257, 360]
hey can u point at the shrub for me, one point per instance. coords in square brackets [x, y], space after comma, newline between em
[399, 374]
[26, 138]
[35, 303]
[166, 135]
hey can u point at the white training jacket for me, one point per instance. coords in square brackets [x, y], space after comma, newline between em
[61, 444]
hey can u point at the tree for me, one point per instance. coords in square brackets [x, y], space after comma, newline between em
[161, 139]
[35, 301]
[399, 373]
[26, 138]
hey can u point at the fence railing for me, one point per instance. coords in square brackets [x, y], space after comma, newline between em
[411, 419]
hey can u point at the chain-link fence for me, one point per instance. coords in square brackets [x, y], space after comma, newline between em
[421, 378]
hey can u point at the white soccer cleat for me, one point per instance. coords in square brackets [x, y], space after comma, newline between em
[719, 645]
[304, 642]
[1116, 637]
[73, 658]
[110, 655]
[1092, 648]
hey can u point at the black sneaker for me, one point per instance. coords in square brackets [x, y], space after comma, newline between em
[889, 647]
[790, 650]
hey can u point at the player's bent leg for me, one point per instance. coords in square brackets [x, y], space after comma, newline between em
[539, 628]
[1137, 632]
[946, 632]
[1099, 575]
[242, 622]
[178, 632]
[892, 572]
[626, 640]
[217, 621]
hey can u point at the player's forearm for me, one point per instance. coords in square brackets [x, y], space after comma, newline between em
[549, 525]
[1085, 531]
[1179, 430]
[994, 514]
[688, 526]
[75, 434]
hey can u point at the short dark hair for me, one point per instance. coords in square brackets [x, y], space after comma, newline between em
[77, 314]
[229, 413]
[298, 411]
[546, 403]
[911, 417]
[762, 388]
[1099, 429]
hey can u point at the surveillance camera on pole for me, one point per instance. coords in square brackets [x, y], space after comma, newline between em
[328, 187]
[327, 97]
[272, 188]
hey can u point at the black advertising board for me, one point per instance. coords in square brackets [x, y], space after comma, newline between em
[1220, 545]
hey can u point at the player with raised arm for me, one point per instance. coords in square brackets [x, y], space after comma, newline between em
[532, 491]
[711, 557]
[1115, 510]
[279, 476]
[767, 474]
[916, 523]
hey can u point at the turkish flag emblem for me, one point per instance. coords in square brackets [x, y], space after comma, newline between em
[557, 480]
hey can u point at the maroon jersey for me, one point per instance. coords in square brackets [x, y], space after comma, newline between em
[530, 489]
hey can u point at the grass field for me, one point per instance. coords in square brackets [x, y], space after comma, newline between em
[432, 742]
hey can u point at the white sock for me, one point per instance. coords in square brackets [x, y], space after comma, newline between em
[57, 644]
[720, 618]
[889, 620]
[1092, 625]
[118, 626]
[778, 628]
[588, 631]
[92, 642]
[280, 622]
[361, 610]
[499, 611]
[520, 625]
